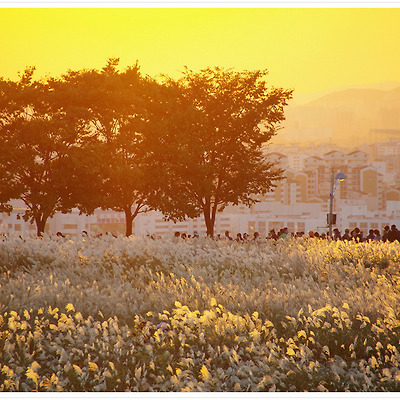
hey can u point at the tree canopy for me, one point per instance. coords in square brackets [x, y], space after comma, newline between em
[213, 155]
[36, 142]
[124, 141]
[116, 111]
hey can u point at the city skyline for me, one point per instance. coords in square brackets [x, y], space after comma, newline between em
[369, 198]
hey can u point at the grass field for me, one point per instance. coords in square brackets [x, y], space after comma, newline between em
[135, 314]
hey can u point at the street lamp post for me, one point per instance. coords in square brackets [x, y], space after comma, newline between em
[340, 176]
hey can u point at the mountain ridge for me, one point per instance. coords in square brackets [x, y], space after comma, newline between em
[351, 115]
[305, 98]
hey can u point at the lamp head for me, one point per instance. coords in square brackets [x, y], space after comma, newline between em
[340, 176]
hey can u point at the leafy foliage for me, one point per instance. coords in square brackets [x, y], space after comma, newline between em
[213, 152]
[116, 113]
[123, 141]
[35, 159]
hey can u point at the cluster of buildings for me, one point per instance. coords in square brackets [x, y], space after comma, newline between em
[369, 198]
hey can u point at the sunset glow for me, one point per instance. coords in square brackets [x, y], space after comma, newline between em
[307, 49]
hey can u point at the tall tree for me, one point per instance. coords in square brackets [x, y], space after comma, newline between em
[113, 105]
[213, 143]
[34, 161]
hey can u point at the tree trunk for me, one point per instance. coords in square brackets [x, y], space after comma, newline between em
[209, 219]
[128, 221]
[40, 225]
[210, 227]
[130, 216]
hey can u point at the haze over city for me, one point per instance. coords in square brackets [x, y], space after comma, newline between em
[315, 51]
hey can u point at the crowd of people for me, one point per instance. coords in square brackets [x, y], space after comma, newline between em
[389, 234]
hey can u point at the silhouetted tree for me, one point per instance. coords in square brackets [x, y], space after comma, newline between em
[35, 142]
[113, 107]
[212, 143]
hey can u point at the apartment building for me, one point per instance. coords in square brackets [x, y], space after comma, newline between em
[369, 198]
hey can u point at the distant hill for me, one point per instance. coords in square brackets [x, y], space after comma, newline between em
[351, 116]
[304, 98]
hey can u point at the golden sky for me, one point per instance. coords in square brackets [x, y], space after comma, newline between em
[307, 49]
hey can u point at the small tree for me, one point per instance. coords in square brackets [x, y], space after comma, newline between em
[213, 143]
[34, 161]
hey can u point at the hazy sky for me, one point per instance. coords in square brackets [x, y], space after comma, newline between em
[307, 49]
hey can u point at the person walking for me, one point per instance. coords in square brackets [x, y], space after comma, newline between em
[371, 235]
[239, 237]
[256, 237]
[272, 234]
[336, 234]
[227, 236]
[377, 234]
[346, 235]
[385, 233]
[284, 233]
[393, 234]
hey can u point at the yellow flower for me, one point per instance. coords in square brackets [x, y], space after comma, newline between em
[290, 351]
[69, 307]
[79, 317]
[77, 369]
[301, 334]
[255, 335]
[204, 374]
[268, 324]
[93, 366]
[8, 371]
[12, 325]
[30, 373]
